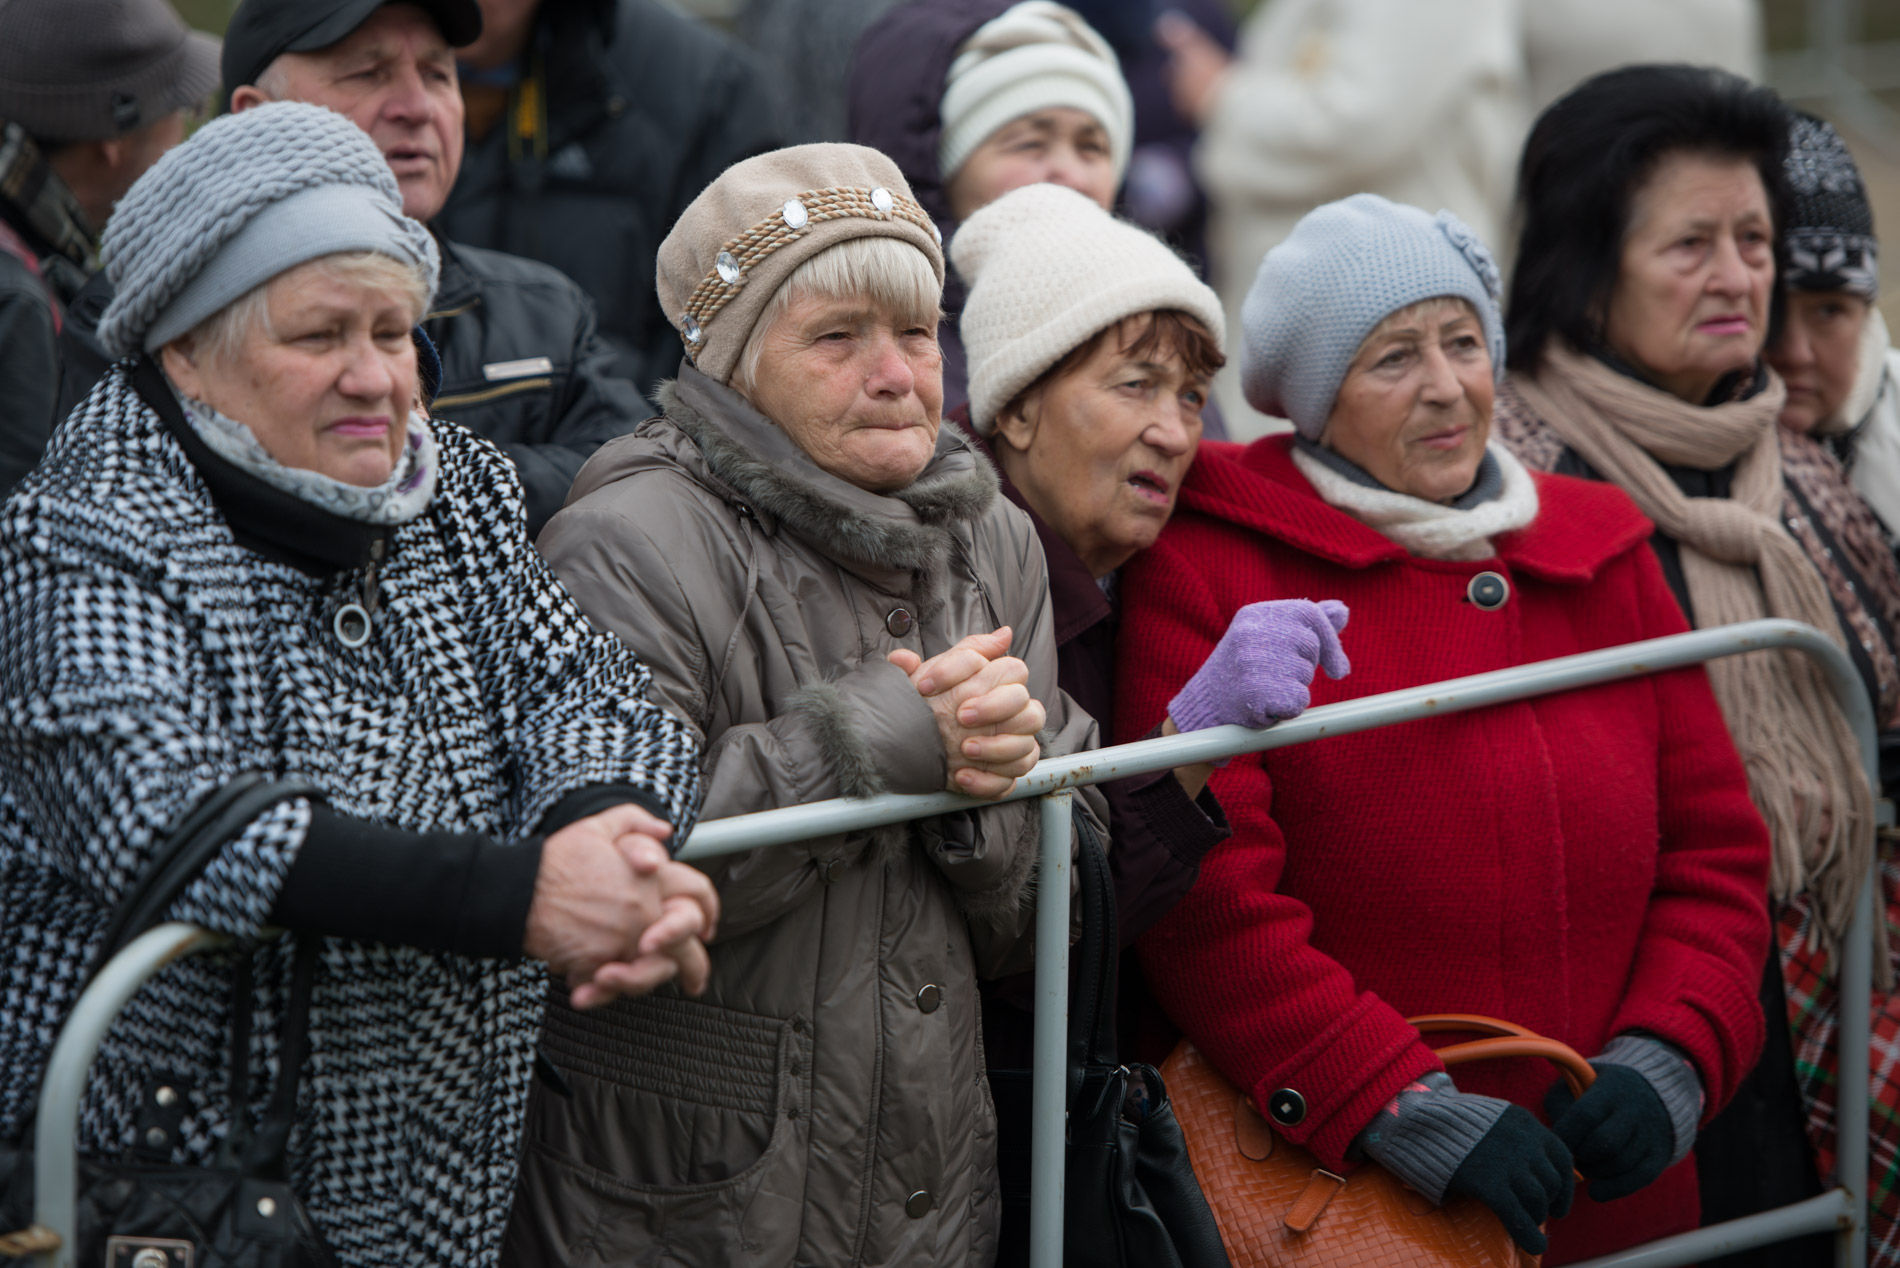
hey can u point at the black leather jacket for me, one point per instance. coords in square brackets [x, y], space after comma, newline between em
[641, 109]
[521, 364]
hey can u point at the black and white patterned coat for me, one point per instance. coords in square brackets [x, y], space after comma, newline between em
[146, 658]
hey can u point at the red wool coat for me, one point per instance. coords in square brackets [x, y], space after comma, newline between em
[1583, 864]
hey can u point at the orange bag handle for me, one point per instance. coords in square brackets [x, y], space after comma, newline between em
[1504, 1039]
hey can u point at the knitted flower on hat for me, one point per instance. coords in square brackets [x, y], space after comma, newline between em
[1046, 269]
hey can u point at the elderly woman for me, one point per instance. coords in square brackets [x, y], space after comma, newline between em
[1586, 864]
[829, 591]
[1091, 350]
[244, 553]
[1832, 349]
[974, 98]
[1840, 443]
[1644, 293]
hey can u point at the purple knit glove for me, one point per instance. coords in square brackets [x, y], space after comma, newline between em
[1259, 672]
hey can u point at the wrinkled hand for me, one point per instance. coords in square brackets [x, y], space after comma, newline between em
[1522, 1172]
[1259, 671]
[1619, 1130]
[986, 718]
[612, 914]
[1197, 64]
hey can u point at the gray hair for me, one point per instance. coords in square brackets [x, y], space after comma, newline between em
[888, 272]
[222, 335]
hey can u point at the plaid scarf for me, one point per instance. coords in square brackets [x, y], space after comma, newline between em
[37, 202]
[1813, 991]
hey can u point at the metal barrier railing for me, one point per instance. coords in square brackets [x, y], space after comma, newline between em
[1840, 1211]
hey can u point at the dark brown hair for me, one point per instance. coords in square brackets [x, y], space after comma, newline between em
[1162, 331]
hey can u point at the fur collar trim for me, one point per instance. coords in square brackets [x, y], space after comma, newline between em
[911, 529]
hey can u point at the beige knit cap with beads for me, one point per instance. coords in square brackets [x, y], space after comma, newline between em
[1047, 268]
[735, 245]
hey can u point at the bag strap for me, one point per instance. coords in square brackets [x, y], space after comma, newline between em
[188, 849]
[265, 1151]
[1092, 1005]
[1504, 1039]
[185, 852]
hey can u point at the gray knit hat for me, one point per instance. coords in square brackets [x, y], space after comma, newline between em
[91, 70]
[1047, 269]
[250, 196]
[1345, 268]
[735, 245]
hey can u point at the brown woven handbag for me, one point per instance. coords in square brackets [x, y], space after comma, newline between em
[1276, 1206]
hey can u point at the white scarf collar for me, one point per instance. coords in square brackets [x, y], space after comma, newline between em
[397, 500]
[1429, 529]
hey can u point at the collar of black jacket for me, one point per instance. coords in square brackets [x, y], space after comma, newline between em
[282, 528]
[457, 289]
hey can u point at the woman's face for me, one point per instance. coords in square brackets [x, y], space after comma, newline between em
[1415, 408]
[325, 384]
[856, 385]
[1818, 354]
[1060, 146]
[1100, 451]
[1690, 302]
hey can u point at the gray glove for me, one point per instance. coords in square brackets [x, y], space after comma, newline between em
[1447, 1143]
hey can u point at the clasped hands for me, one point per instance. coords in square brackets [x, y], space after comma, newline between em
[986, 718]
[613, 914]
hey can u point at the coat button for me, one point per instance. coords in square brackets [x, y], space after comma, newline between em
[918, 1204]
[929, 997]
[1287, 1107]
[899, 621]
[1489, 591]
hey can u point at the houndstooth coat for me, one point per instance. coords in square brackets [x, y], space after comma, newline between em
[146, 658]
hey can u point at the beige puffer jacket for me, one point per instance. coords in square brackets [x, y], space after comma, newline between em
[824, 1102]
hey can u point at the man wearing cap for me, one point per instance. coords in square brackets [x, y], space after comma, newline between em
[522, 362]
[591, 124]
[91, 93]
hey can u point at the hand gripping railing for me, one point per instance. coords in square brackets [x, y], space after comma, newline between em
[1841, 1210]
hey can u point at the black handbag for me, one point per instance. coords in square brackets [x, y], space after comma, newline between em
[1131, 1198]
[239, 1212]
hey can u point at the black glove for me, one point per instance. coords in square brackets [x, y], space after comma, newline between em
[1619, 1131]
[1522, 1172]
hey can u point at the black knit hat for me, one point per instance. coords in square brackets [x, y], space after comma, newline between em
[91, 70]
[1830, 234]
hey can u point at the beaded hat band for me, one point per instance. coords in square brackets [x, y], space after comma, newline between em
[740, 255]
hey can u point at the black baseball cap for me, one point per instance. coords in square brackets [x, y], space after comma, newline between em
[261, 29]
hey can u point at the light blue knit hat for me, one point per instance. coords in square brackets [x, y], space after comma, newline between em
[1345, 268]
[249, 196]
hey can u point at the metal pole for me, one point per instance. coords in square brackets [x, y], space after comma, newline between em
[56, 1142]
[1049, 1085]
[1830, 1212]
[823, 818]
[1846, 1207]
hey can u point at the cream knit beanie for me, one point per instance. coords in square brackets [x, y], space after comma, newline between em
[1035, 56]
[1046, 269]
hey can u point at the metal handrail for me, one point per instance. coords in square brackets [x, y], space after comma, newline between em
[1842, 1210]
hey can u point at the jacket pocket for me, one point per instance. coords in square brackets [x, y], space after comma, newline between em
[679, 1129]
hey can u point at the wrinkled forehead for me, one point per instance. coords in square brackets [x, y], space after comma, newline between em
[393, 31]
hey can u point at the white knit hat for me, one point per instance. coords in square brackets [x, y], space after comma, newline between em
[1036, 55]
[1046, 269]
